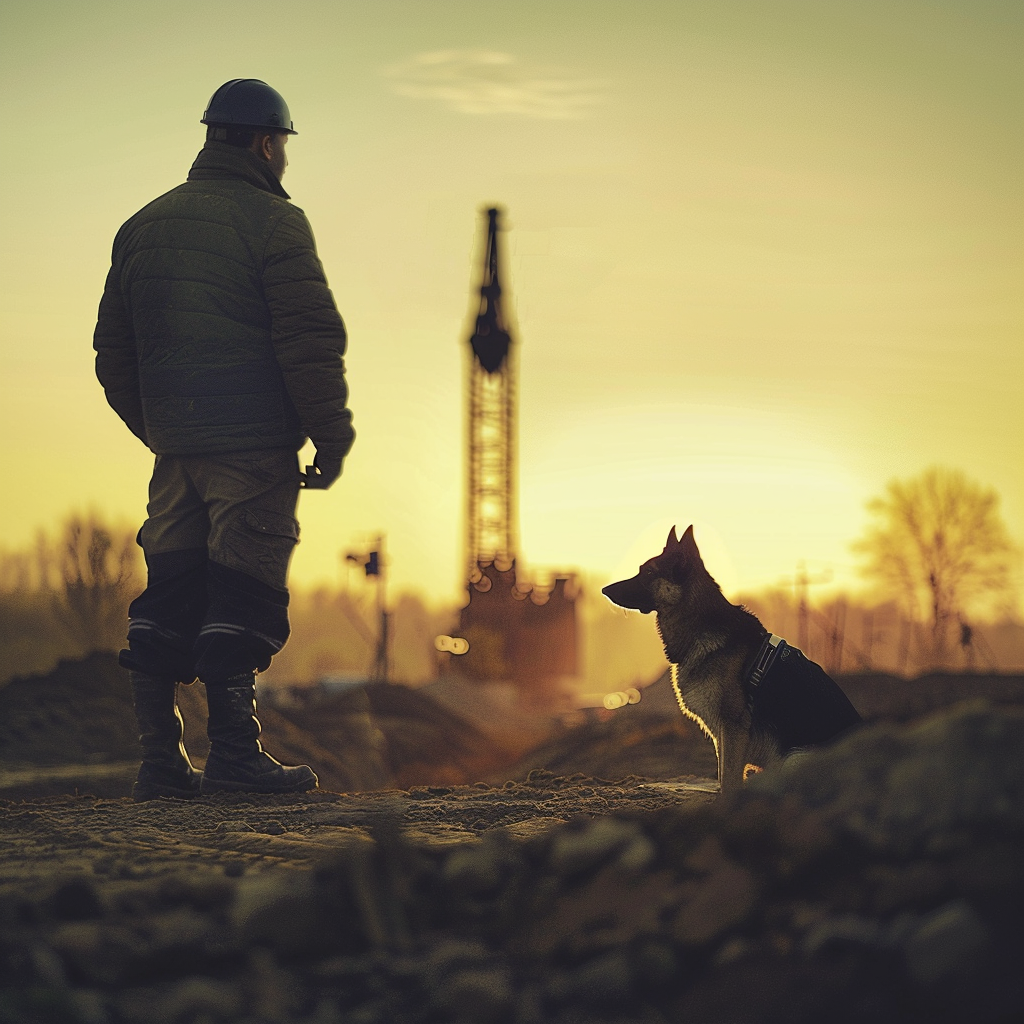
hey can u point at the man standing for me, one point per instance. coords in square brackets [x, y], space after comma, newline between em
[219, 344]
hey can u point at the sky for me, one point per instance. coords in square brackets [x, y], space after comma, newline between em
[763, 257]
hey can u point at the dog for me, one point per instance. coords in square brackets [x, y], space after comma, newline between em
[758, 698]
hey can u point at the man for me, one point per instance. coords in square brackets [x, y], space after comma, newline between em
[220, 346]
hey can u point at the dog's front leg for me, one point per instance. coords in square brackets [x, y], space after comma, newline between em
[732, 758]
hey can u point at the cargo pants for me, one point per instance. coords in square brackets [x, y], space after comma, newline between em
[218, 539]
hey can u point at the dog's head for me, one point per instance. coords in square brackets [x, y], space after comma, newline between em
[661, 580]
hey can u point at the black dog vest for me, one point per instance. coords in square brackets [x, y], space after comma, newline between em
[794, 699]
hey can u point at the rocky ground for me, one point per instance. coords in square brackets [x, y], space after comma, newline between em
[878, 880]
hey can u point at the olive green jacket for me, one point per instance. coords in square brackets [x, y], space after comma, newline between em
[217, 331]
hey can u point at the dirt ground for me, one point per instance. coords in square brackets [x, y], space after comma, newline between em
[878, 880]
[116, 839]
[875, 880]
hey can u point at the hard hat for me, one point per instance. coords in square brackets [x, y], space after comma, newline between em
[248, 103]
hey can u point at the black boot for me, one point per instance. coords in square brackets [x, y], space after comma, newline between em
[237, 762]
[166, 769]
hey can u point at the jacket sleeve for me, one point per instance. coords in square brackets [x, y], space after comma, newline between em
[116, 362]
[308, 335]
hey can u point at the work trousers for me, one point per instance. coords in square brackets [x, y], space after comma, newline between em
[218, 538]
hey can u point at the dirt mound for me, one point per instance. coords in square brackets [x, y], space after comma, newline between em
[651, 739]
[390, 735]
[73, 730]
[878, 696]
[81, 711]
[877, 880]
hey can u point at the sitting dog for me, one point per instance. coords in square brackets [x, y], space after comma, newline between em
[757, 697]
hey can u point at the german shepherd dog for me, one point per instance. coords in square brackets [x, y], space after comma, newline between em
[757, 697]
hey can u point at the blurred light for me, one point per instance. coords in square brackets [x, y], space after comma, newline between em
[452, 644]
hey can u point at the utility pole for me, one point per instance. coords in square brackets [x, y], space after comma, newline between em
[382, 661]
[374, 564]
[837, 636]
[868, 636]
[801, 583]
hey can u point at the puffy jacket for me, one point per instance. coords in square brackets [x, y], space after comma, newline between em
[217, 331]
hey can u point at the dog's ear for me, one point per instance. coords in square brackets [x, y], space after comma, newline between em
[673, 540]
[689, 544]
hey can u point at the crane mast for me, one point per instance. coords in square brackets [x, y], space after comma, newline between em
[491, 526]
[513, 630]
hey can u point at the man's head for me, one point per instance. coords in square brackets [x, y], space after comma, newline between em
[248, 113]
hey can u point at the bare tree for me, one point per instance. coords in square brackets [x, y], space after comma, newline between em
[94, 576]
[939, 542]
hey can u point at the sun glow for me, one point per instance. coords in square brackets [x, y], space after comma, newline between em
[762, 494]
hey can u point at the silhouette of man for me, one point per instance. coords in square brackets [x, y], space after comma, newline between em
[219, 344]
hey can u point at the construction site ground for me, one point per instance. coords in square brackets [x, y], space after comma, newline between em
[876, 880]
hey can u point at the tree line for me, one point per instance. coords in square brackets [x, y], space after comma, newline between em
[936, 552]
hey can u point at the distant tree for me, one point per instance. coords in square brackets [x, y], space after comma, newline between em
[93, 570]
[939, 542]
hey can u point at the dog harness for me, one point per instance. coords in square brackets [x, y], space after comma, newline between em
[771, 648]
[792, 699]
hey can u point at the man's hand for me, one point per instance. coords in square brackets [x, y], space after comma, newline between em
[322, 473]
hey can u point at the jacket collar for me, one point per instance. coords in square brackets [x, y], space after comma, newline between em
[217, 161]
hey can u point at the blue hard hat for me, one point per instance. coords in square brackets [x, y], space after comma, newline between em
[248, 103]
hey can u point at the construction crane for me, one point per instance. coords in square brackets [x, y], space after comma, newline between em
[490, 519]
[509, 629]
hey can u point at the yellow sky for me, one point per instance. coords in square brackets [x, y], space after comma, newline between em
[764, 257]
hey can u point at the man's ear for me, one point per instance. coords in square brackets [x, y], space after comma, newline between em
[262, 146]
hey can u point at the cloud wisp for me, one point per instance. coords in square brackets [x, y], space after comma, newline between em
[489, 82]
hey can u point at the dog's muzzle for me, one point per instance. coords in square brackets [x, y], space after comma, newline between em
[630, 594]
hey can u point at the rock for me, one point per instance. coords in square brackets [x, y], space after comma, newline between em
[844, 932]
[949, 944]
[576, 851]
[607, 979]
[96, 953]
[931, 787]
[285, 913]
[75, 899]
[448, 956]
[655, 963]
[200, 890]
[198, 998]
[178, 940]
[717, 903]
[472, 871]
[483, 995]
[638, 855]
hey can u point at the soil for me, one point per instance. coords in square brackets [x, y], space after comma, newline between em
[875, 880]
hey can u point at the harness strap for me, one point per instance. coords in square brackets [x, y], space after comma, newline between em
[765, 659]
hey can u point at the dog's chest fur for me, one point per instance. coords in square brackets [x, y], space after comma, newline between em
[699, 702]
[704, 676]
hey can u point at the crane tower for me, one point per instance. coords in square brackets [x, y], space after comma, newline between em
[491, 527]
[516, 631]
